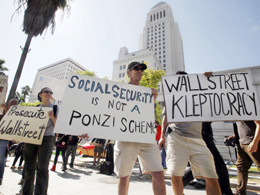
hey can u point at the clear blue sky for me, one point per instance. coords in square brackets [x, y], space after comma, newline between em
[217, 35]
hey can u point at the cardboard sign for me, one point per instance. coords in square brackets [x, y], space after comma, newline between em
[106, 109]
[24, 124]
[221, 97]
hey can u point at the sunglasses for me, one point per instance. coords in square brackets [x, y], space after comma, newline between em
[136, 68]
[50, 92]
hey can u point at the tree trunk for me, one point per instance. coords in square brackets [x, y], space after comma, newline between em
[20, 68]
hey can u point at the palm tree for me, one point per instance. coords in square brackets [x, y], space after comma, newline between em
[38, 16]
[26, 90]
[2, 68]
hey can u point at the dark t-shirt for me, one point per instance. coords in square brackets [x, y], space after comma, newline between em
[246, 131]
[73, 140]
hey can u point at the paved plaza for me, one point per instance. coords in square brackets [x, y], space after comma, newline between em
[86, 179]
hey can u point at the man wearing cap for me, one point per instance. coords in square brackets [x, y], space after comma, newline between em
[185, 144]
[126, 153]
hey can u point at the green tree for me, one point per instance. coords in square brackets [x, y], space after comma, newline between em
[38, 16]
[26, 91]
[2, 68]
[19, 97]
[29, 104]
[151, 78]
[87, 73]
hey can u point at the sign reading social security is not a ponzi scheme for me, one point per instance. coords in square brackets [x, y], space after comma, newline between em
[221, 97]
[24, 124]
[106, 109]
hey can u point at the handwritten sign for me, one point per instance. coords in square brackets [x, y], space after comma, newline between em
[106, 109]
[25, 124]
[220, 97]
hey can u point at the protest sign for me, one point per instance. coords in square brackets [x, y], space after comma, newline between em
[221, 97]
[106, 109]
[24, 124]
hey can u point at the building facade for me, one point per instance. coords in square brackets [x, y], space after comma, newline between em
[146, 56]
[54, 76]
[161, 34]
[61, 69]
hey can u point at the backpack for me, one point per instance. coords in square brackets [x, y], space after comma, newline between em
[107, 167]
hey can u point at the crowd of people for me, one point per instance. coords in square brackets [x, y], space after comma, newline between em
[182, 144]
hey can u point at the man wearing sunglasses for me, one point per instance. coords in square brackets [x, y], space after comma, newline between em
[126, 153]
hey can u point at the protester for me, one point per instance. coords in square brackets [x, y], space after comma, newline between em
[18, 154]
[126, 153]
[248, 152]
[157, 138]
[222, 172]
[3, 143]
[61, 146]
[98, 150]
[185, 143]
[71, 150]
[37, 157]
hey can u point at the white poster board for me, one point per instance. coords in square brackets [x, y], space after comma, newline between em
[221, 97]
[41, 81]
[106, 109]
[24, 124]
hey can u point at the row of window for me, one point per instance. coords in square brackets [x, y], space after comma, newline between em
[121, 75]
[157, 15]
[122, 67]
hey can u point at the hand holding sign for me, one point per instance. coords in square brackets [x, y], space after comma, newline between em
[25, 124]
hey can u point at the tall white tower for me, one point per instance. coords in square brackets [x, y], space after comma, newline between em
[162, 35]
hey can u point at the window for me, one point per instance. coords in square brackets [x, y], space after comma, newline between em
[119, 75]
[164, 56]
[164, 65]
[157, 15]
[124, 66]
[159, 57]
[160, 14]
[120, 67]
[163, 13]
[123, 74]
[159, 51]
[151, 18]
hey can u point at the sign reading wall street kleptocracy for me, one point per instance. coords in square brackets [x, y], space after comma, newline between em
[106, 109]
[221, 97]
[24, 124]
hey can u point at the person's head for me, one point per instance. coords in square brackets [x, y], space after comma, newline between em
[181, 72]
[12, 102]
[135, 71]
[45, 93]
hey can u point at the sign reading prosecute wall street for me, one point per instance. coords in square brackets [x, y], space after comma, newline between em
[25, 124]
[106, 109]
[221, 97]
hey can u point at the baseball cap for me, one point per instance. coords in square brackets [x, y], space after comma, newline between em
[133, 64]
